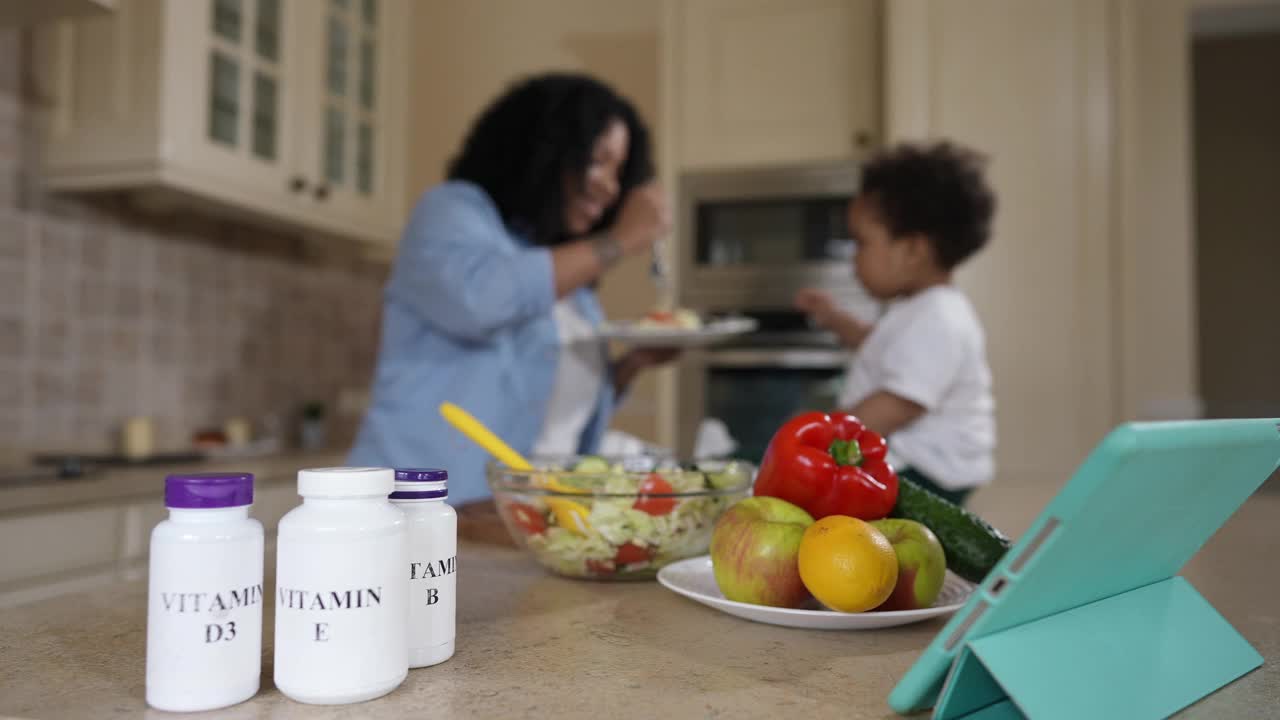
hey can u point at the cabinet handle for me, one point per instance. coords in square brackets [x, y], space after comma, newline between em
[298, 183]
[322, 192]
[862, 139]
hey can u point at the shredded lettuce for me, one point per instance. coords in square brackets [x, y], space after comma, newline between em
[614, 522]
[619, 523]
[682, 533]
[686, 480]
[567, 552]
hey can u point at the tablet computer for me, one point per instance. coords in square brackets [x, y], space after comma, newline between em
[1142, 503]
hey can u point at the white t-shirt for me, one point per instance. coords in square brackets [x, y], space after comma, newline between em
[930, 348]
[580, 374]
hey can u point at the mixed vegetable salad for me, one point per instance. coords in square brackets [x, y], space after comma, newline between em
[599, 519]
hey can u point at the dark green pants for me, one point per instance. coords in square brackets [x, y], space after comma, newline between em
[956, 496]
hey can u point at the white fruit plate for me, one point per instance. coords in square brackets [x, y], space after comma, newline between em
[713, 332]
[694, 579]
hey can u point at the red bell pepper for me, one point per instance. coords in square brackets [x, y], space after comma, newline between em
[829, 465]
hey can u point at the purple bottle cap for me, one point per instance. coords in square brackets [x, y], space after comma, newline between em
[421, 484]
[422, 475]
[204, 491]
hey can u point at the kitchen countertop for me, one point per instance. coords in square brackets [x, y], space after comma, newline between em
[145, 481]
[532, 645]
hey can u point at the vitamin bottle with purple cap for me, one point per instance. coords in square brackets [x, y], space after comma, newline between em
[205, 595]
[433, 563]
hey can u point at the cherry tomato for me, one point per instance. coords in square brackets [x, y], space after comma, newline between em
[528, 518]
[656, 485]
[631, 553]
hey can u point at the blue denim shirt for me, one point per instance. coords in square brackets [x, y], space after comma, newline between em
[467, 318]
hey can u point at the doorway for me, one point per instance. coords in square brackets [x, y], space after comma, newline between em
[1235, 53]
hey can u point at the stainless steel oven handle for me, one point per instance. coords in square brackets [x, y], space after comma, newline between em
[799, 359]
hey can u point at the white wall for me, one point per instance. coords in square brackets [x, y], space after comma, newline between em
[1088, 290]
[1024, 83]
[1153, 225]
[466, 53]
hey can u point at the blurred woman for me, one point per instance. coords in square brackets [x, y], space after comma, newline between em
[491, 302]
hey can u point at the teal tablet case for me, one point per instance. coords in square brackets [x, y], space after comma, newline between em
[1148, 652]
[1084, 616]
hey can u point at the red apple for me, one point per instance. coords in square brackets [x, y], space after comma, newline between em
[755, 549]
[922, 565]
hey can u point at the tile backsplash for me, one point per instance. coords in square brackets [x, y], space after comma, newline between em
[108, 313]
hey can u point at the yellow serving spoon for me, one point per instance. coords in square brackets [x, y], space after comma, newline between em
[569, 514]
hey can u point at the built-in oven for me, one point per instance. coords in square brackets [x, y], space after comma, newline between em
[754, 387]
[749, 241]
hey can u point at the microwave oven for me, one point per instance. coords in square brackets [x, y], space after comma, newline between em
[748, 239]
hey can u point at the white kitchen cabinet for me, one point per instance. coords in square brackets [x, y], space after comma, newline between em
[71, 549]
[291, 112]
[20, 13]
[64, 541]
[761, 82]
[51, 553]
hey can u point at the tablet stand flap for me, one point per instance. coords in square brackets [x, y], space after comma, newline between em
[1145, 653]
[1003, 710]
[968, 690]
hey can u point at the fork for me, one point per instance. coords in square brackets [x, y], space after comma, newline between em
[658, 269]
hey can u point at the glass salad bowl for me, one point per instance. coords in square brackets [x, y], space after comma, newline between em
[615, 519]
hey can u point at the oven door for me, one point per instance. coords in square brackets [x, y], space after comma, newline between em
[753, 391]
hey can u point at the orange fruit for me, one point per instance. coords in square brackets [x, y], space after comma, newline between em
[847, 564]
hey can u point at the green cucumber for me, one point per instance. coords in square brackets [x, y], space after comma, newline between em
[721, 476]
[592, 464]
[972, 546]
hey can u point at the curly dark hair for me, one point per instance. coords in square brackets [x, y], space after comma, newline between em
[936, 190]
[541, 128]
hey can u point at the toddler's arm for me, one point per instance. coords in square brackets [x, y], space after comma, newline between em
[886, 412]
[822, 309]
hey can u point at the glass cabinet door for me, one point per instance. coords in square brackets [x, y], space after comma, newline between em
[290, 104]
[246, 70]
[350, 101]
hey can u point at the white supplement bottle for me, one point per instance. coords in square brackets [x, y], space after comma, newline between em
[204, 595]
[433, 563]
[341, 599]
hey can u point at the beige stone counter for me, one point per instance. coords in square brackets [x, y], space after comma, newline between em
[531, 645]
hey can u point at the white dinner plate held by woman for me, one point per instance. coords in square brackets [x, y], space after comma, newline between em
[711, 332]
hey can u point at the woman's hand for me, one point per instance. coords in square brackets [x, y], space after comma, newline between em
[634, 361]
[644, 358]
[644, 218]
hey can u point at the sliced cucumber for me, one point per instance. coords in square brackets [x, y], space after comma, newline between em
[729, 476]
[592, 465]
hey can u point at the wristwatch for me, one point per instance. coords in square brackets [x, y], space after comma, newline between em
[607, 248]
